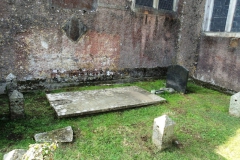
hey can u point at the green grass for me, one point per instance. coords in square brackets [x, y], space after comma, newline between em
[203, 126]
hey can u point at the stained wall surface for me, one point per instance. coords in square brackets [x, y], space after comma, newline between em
[43, 39]
[37, 37]
[215, 60]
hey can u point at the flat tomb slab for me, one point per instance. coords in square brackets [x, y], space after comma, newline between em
[68, 104]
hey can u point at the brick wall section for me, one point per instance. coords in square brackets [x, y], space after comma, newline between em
[33, 43]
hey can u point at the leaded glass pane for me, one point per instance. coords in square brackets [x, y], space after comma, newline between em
[236, 18]
[219, 15]
[165, 4]
[148, 3]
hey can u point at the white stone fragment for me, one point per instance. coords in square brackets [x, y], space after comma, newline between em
[163, 132]
[10, 77]
[14, 154]
[234, 108]
[59, 135]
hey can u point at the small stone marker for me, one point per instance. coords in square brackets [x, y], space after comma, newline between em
[11, 83]
[163, 132]
[16, 105]
[177, 77]
[16, 154]
[11, 78]
[59, 135]
[234, 108]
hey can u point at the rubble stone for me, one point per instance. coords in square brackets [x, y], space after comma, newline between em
[14, 154]
[59, 135]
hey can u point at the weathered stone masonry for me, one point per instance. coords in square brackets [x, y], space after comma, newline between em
[214, 60]
[48, 41]
[40, 38]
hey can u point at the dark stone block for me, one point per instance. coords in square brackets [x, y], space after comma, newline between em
[156, 72]
[74, 28]
[177, 77]
[136, 72]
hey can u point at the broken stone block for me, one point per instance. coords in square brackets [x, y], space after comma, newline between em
[163, 132]
[16, 154]
[59, 135]
[177, 77]
[11, 78]
[169, 90]
[16, 105]
[234, 108]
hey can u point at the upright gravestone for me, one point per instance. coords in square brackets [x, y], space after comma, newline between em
[163, 132]
[177, 77]
[16, 105]
[234, 108]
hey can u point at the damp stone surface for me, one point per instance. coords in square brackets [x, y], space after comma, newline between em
[69, 104]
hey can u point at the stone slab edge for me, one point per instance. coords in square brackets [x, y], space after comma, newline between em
[161, 100]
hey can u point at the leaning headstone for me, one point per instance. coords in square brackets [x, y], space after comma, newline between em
[16, 105]
[16, 154]
[234, 108]
[177, 77]
[163, 132]
[59, 135]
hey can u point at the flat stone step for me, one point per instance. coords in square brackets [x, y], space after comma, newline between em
[68, 104]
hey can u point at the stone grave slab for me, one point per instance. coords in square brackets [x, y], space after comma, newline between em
[177, 77]
[68, 104]
[58, 135]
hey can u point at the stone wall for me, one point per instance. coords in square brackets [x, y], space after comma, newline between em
[51, 41]
[43, 39]
[215, 60]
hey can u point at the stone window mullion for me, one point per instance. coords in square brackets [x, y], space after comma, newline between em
[208, 15]
[155, 4]
[175, 2]
[231, 11]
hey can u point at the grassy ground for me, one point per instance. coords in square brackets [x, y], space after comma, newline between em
[204, 127]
